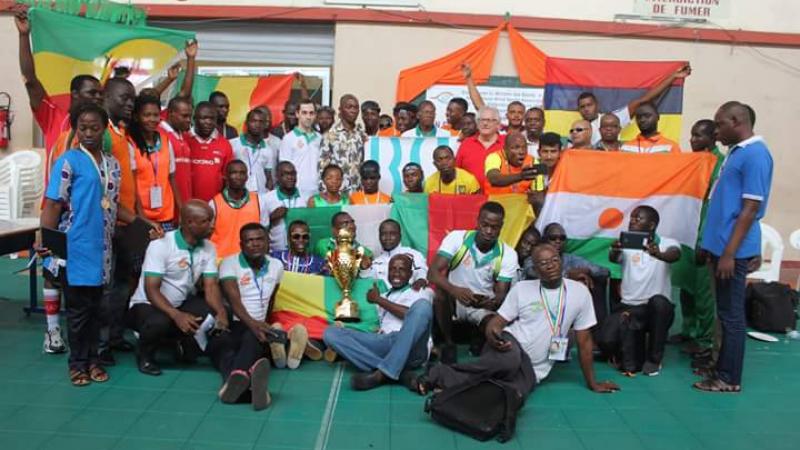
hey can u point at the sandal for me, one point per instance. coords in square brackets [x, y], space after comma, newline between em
[98, 374]
[421, 385]
[79, 378]
[716, 385]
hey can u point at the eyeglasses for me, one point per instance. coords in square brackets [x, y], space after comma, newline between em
[304, 237]
[557, 237]
[577, 130]
[546, 262]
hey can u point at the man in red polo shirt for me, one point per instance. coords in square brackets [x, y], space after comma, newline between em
[210, 153]
[473, 150]
[177, 125]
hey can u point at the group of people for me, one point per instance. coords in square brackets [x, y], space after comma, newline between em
[213, 205]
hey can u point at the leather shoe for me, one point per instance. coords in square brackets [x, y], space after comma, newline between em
[148, 367]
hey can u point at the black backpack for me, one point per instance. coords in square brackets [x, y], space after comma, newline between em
[771, 307]
[479, 408]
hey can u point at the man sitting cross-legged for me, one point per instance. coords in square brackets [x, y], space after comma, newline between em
[472, 272]
[528, 334]
[402, 341]
[165, 306]
[249, 281]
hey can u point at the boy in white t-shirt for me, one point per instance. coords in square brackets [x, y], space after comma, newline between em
[472, 271]
[401, 343]
[528, 334]
[646, 312]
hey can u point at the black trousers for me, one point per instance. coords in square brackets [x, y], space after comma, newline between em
[635, 334]
[83, 322]
[235, 350]
[512, 367]
[154, 326]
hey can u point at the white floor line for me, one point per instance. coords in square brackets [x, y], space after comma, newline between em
[330, 409]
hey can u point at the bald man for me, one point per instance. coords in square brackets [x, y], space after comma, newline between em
[732, 235]
[165, 306]
[580, 135]
[343, 144]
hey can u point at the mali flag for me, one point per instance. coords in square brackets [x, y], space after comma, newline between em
[245, 93]
[65, 46]
[424, 219]
[592, 195]
[615, 84]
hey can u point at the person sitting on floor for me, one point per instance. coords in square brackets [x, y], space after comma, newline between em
[401, 344]
[472, 272]
[646, 313]
[166, 305]
[249, 281]
[390, 234]
[528, 334]
[369, 194]
[298, 258]
[342, 220]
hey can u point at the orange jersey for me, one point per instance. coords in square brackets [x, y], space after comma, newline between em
[362, 198]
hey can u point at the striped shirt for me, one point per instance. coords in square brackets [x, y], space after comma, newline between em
[656, 143]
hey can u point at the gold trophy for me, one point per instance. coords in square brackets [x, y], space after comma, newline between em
[345, 262]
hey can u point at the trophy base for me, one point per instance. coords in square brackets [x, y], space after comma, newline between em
[347, 311]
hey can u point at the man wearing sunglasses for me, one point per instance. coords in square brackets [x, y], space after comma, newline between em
[298, 258]
[580, 135]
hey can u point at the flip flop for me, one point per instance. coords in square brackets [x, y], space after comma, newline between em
[79, 378]
[98, 374]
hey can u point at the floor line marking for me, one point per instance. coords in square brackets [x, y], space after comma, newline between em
[330, 409]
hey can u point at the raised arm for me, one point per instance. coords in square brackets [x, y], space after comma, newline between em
[36, 92]
[474, 95]
[191, 69]
[303, 86]
[659, 89]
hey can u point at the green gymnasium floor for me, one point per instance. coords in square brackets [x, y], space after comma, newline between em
[314, 407]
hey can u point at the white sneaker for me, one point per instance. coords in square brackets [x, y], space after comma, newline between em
[53, 343]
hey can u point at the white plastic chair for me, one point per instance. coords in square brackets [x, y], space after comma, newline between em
[771, 255]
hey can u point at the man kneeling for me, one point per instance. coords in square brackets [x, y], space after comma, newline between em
[528, 334]
[402, 341]
[249, 281]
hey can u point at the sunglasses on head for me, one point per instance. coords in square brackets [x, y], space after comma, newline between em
[305, 236]
[577, 130]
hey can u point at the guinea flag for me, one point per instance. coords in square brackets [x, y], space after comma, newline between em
[424, 219]
[592, 195]
[67, 45]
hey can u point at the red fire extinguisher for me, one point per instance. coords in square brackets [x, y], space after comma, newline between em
[5, 120]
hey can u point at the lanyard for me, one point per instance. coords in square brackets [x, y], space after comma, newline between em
[260, 276]
[556, 321]
[102, 174]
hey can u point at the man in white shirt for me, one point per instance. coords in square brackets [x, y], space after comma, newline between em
[426, 127]
[401, 343]
[165, 304]
[249, 281]
[284, 197]
[589, 107]
[472, 271]
[390, 234]
[301, 148]
[252, 148]
[646, 292]
[528, 334]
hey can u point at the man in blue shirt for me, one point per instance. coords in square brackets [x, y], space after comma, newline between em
[732, 235]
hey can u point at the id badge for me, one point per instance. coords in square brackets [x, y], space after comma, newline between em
[156, 200]
[558, 349]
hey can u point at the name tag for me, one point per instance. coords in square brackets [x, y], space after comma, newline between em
[156, 197]
[558, 349]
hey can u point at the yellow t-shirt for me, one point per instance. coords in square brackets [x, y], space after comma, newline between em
[463, 183]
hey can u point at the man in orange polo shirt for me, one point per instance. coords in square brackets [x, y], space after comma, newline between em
[473, 150]
[649, 140]
[511, 171]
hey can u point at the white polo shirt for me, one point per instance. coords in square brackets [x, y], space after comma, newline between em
[255, 287]
[476, 270]
[259, 160]
[178, 265]
[302, 150]
[278, 239]
[622, 114]
[416, 132]
[526, 313]
[644, 276]
[380, 265]
[405, 296]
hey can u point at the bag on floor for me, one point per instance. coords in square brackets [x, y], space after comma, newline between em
[771, 307]
[482, 409]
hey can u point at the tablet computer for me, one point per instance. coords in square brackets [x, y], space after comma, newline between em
[55, 241]
[634, 239]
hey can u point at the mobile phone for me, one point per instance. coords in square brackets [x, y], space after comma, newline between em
[540, 169]
[635, 240]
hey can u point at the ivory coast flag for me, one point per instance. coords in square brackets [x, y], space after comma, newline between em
[244, 94]
[592, 195]
[424, 220]
[66, 45]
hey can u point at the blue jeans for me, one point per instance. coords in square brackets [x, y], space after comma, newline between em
[731, 311]
[389, 353]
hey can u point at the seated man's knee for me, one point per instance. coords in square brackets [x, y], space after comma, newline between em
[660, 304]
[422, 309]
[331, 335]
